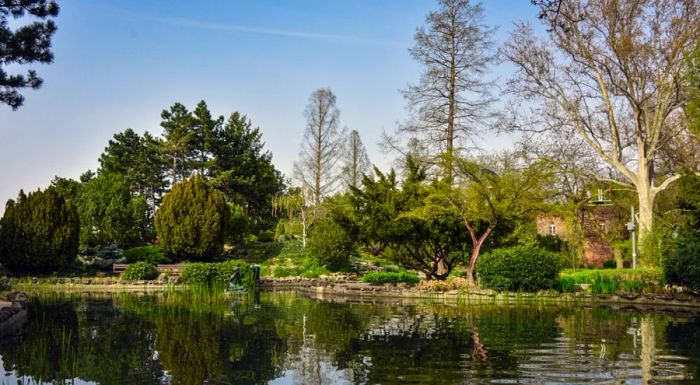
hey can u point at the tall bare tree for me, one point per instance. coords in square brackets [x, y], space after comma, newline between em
[321, 147]
[356, 162]
[450, 103]
[613, 75]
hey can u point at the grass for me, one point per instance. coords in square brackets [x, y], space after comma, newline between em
[608, 281]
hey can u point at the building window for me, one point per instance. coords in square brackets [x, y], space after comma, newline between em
[552, 228]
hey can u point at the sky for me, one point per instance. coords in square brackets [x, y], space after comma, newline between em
[118, 64]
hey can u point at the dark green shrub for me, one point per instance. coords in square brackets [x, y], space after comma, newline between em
[330, 243]
[390, 277]
[609, 264]
[215, 274]
[193, 220]
[39, 232]
[682, 265]
[140, 271]
[151, 254]
[519, 268]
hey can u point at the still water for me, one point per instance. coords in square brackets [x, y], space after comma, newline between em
[282, 338]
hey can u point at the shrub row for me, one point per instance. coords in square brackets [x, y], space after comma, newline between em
[390, 277]
[215, 274]
[151, 254]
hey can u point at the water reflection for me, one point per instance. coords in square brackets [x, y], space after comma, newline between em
[180, 340]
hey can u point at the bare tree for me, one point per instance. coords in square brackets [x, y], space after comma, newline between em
[356, 162]
[613, 77]
[321, 148]
[450, 103]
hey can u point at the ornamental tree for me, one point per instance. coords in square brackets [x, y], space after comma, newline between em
[193, 220]
[39, 232]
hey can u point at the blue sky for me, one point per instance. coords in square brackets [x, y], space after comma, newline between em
[119, 63]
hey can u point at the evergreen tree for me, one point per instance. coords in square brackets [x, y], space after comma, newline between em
[242, 169]
[39, 232]
[193, 220]
[110, 214]
[139, 160]
[177, 126]
[203, 137]
[29, 43]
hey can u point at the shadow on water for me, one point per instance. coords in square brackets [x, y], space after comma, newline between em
[188, 338]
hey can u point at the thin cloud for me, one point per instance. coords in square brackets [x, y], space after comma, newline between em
[332, 38]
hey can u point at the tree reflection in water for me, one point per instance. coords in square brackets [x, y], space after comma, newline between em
[180, 339]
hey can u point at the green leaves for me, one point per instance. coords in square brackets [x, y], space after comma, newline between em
[39, 232]
[193, 220]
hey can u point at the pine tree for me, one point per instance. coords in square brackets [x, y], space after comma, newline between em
[39, 232]
[29, 43]
[193, 220]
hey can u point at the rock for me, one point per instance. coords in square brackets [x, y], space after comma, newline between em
[86, 281]
[627, 295]
[17, 296]
[162, 278]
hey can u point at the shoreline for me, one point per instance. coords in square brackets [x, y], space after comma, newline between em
[345, 290]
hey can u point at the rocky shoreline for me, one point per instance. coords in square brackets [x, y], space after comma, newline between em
[13, 312]
[344, 287]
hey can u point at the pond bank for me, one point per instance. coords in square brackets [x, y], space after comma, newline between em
[344, 287]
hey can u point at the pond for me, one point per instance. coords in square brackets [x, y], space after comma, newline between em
[282, 338]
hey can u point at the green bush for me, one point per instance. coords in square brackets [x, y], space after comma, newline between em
[330, 243]
[140, 271]
[682, 266]
[193, 220]
[519, 268]
[39, 232]
[609, 264]
[151, 254]
[390, 277]
[215, 274]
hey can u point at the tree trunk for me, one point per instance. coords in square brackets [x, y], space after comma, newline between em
[478, 242]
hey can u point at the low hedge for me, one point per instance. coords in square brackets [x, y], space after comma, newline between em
[525, 268]
[152, 254]
[215, 274]
[390, 277]
[140, 271]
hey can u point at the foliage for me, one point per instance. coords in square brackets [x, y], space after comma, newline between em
[215, 274]
[140, 271]
[587, 276]
[682, 266]
[110, 252]
[609, 264]
[519, 268]
[243, 170]
[688, 200]
[239, 225]
[39, 232]
[390, 277]
[605, 284]
[110, 214]
[28, 43]
[566, 284]
[332, 244]
[151, 254]
[388, 221]
[656, 244]
[140, 162]
[193, 221]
